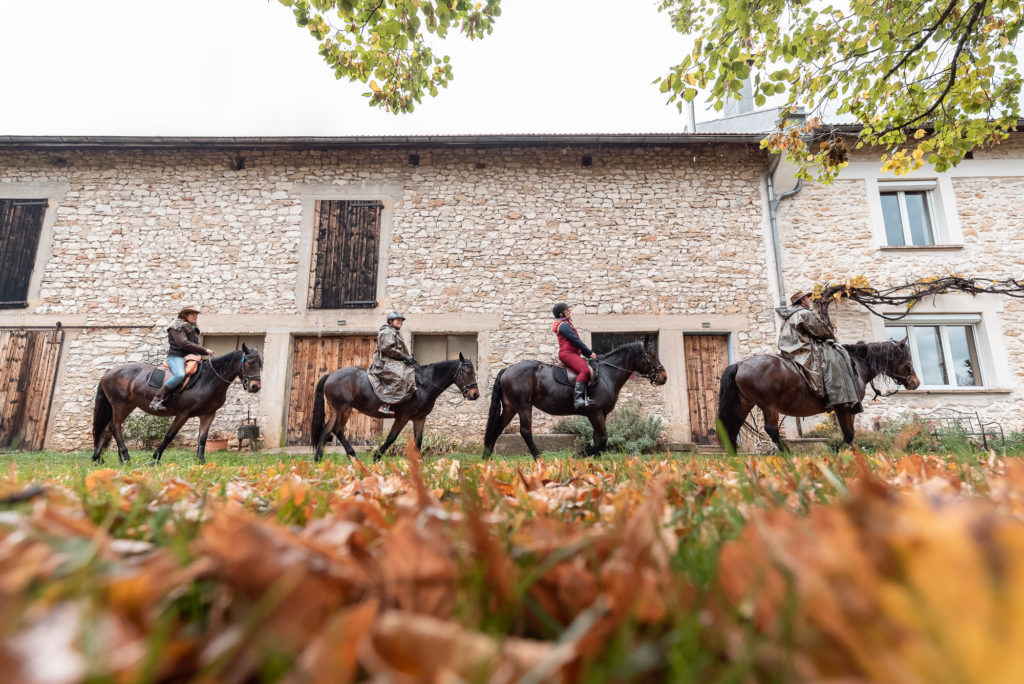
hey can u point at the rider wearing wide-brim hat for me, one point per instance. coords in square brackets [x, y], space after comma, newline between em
[183, 339]
[571, 350]
[393, 371]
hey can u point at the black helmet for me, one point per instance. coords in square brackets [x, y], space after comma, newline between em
[559, 309]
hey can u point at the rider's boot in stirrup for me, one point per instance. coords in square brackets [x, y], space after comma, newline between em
[580, 401]
[158, 400]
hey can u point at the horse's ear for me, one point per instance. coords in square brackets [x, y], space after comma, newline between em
[905, 339]
[245, 349]
[462, 358]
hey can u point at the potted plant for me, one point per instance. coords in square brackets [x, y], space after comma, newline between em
[216, 441]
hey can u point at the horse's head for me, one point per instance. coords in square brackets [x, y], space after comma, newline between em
[252, 366]
[899, 366]
[465, 378]
[650, 365]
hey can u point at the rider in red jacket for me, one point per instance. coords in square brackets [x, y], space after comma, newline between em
[571, 350]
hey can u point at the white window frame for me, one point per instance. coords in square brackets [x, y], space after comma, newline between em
[942, 322]
[900, 190]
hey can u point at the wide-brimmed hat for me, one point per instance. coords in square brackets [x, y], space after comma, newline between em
[187, 310]
[797, 296]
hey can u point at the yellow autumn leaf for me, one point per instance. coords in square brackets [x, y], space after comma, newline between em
[374, 87]
[919, 133]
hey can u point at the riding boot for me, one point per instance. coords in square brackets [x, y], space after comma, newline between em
[158, 401]
[580, 401]
[386, 410]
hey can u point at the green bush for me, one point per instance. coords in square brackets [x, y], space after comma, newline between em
[629, 430]
[1015, 443]
[145, 431]
[434, 444]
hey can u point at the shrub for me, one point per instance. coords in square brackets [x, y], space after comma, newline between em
[434, 443]
[145, 431]
[629, 430]
[1015, 443]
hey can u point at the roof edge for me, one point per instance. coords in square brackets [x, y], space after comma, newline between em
[303, 142]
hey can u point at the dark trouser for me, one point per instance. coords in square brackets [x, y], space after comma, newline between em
[578, 364]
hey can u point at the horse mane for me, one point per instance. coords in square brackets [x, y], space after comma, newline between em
[220, 365]
[877, 356]
[628, 350]
[444, 366]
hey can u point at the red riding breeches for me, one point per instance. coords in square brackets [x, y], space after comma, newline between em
[576, 363]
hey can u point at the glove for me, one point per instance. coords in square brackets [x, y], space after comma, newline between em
[411, 362]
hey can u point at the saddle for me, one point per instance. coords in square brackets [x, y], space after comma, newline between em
[567, 376]
[157, 375]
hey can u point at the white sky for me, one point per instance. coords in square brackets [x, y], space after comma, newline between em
[242, 67]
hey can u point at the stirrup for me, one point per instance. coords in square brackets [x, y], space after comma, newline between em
[386, 410]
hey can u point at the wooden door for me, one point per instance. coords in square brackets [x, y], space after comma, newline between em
[707, 357]
[313, 357]
[28, 371]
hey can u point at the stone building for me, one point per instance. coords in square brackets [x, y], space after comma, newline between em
[299, 246]
[893, 230]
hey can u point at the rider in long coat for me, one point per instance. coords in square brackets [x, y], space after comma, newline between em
[393, 371]
[571, 350]
[811, 343]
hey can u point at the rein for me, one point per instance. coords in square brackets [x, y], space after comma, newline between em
[244, 376]
[456, 390]
[650, 376]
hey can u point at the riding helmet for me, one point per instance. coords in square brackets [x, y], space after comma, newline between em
[394, 315]
[559, 309]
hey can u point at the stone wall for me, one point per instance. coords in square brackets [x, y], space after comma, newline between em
[659, 239]
[827, 236]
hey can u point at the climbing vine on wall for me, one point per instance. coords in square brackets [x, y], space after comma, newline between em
[859, 290]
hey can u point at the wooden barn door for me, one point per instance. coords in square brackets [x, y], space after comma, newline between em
[28, 371]
[313, 357]
[707, 357]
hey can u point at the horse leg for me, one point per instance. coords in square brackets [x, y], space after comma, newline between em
[771, 426]
[176, 424]
[396, 427]
[101, 444]
[204, 429]
[845, 420]
[597, 420]
[331, 429]
[526, 430]
[115, 429]
[417, 431]
[339, 432]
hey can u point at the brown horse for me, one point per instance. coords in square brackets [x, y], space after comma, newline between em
[349, 388]
[769, 382]
[124, 388]
[524, 385]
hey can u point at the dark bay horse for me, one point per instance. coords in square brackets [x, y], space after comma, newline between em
[528, 384]
[768, 382]
[349, 388]
[126, 387]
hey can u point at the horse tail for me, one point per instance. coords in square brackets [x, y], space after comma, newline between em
[102, 414]
[728, 406]
[494, 414]
[316, 427]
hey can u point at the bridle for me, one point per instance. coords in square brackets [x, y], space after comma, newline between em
[651, 375]
[903, 380]
[245, 377]
[459, 375]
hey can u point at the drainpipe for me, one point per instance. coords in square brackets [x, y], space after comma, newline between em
[773, 206]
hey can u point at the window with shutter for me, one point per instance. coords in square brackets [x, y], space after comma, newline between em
[21, 223]
[345, 254]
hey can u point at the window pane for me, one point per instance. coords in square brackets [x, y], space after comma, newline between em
[464, 344]
[891, 215]
[602, 343]
[429, 348]
[896, 332]
[920, 222]
[929, 350]
[965, 355]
